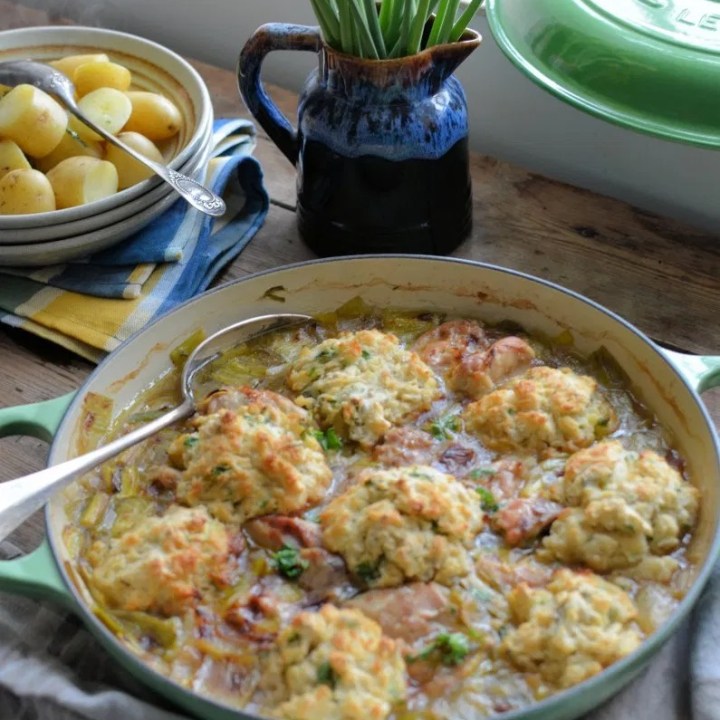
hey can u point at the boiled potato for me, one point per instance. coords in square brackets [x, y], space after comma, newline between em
[130, 171]
[32, 119]
[68, 64]
[94, 75]
[71, 145]
[25, 191]
[80, 180]
[106, 107]
[11, 158]
[153, 115]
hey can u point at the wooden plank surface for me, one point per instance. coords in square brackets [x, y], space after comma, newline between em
[660, 274]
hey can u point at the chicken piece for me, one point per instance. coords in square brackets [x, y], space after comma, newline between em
[470, 362]
[408, 613]
[504, 479]
[480, 372]
[273, 532]
[503, 576]
[523, 519]
[406, 446]
[412, 446]
[443, 347]
[325, 577]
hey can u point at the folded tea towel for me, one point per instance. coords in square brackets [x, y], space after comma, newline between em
[51, 668]
[91, 306]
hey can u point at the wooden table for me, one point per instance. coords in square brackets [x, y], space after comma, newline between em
[661, 275]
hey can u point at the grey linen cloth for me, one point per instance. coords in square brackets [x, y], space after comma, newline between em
[51, 668]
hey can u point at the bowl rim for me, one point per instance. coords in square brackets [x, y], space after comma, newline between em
[126, 43]
[96, 221]
[75, 247]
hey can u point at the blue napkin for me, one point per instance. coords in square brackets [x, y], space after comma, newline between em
[91, 306]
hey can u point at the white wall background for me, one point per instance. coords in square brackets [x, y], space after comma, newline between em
[510, 118]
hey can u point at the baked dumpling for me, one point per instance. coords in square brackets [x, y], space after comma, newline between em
[570, 630]
[335, 665]
[162, 564]
[412, 523]
[362, 384]
[624, 505]
[543, 410]
[254, 455]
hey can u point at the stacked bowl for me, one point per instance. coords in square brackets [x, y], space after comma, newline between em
[71, 233]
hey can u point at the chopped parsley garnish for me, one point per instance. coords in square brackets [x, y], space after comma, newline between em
[329, 439]
[289, 563]
[443, 427]
[220, 469]
[326, 355]
[326, 675]
[482, 473]
[367, 571]
[366, 354]
[191, 441]
[449, 648]
[489, 503]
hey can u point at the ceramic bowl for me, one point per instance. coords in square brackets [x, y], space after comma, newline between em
[112, 216]
[82, 244]
[154, 68]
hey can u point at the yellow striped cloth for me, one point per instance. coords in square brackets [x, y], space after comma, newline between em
[92, 325]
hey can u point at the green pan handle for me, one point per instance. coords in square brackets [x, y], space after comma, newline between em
[41, 420]
[35, 575]
[700, 371]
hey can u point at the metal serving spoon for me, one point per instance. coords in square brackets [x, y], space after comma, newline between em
[20, 498]
[45, 77]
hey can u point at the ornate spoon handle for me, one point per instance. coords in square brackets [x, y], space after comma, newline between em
[194, 192]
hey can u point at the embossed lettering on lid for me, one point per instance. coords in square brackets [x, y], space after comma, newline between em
[691, 22]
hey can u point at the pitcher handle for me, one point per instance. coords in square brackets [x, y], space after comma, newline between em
[269, 37]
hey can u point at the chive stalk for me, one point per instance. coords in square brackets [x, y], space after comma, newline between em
[394, 28]
[363, 34]
[329, 23]
[416, 29]
[346, 27]
[386, 9]
[373, 21]
[464, 20]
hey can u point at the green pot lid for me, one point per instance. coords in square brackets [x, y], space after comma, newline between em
[652, 65]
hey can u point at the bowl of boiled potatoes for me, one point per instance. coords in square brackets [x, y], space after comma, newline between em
[61, 185]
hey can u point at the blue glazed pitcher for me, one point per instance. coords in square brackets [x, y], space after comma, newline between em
[381, 146]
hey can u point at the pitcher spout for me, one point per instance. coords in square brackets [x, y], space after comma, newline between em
[405, 78]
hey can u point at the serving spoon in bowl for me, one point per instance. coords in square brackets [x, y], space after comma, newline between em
[21, 497]
[47, 78]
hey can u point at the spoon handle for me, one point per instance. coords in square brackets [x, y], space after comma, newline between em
[20, 498]
[196, 194]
